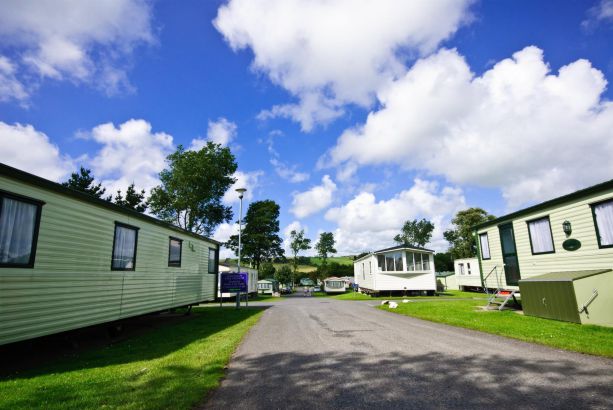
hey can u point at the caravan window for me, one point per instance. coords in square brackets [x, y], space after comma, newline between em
[461, 268]
[541, 240]
[212, 260]
[19, 222]
[603, 219]
[389, 262]
[124, 247]
[410, 262]
[425, 264]
[398, 258]
[418, 264]
[174, 251]
[381, 262]
[485, 246]
[468, 267]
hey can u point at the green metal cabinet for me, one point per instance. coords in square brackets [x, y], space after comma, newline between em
[579, 296]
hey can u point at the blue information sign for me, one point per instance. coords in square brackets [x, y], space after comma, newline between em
[234, 282]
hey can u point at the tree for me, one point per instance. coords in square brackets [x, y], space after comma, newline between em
[325, 246]
[84, 181]
[267, 270]
[260, 237]
[298, 243]
[134, 200]
[443, 262]
[284, 275]
[460, 237]
[192, 188]
[415, 233]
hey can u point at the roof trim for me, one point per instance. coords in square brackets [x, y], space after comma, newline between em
[603, 186]
[394, 248]
[28, 178]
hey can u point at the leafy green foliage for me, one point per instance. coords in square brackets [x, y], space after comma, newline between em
[325, 270]
[298, 243]
[267, 270]
[284, 275]
[443, 262]
[133, 200]
[260, 237]
[325, 246]
[415, 233]
[463, 244]
[84, 181]
[192, 188]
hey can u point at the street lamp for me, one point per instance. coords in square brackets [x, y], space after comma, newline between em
[241, 192]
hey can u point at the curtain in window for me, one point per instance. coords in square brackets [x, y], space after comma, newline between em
[604, 219]
[485, 246]
[398, 257]
[540, 234]
[425, 262]
[410, 262]
[17, 223]
[212, 257]
[125, 246]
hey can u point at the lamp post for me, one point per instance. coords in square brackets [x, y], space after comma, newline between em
[241, 192]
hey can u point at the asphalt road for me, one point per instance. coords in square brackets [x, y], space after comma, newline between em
[323, 353]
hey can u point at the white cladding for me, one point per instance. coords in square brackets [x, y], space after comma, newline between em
[396, 270]
[467, 272]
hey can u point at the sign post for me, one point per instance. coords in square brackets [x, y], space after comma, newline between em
[234, 283]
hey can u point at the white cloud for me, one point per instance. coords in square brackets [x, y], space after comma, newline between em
[314, 200]
[222, 234]
[248, 180]
[10, 87]
[331, 53]
[365, 224]
[25, 148]
[519, 127]
[602, 12]
[130, 153]
[220, 132]
[84, 42]
[285, 171]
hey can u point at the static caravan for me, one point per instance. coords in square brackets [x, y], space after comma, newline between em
[446, 280]
[397, 269]
[467, 273]
[334, 285]
[252, 282]
[69, 260]
[268, 286]
[572, 234]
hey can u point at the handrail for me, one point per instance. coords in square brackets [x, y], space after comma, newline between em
[590, 300]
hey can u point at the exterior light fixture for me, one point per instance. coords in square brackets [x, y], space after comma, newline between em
[567, 228]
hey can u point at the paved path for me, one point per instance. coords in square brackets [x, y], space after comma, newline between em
[324, 353]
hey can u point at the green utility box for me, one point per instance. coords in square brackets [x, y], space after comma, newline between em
[576, 296]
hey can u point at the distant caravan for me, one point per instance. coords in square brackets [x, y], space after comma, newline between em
[334, 285]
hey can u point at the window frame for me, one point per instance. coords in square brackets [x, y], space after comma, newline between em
[175, 264]
[553, 245]
[215, 261]
[33, 246]
[136, 229]
[489, 250]
[597, 230]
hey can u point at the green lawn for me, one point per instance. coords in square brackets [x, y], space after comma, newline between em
[589, 339]
[448, 294]
[174, 366]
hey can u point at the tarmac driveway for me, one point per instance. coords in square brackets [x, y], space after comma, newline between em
[324, 353]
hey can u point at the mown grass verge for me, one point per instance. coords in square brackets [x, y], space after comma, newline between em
[174, 366]
[449, 294]
[595, 340]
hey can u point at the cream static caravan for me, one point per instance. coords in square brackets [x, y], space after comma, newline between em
[397, 269]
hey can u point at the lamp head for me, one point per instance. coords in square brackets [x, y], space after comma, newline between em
[240, 191]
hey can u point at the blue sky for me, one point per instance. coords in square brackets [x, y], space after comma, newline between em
[353, 115]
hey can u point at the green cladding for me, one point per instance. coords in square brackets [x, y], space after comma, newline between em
[71, 283]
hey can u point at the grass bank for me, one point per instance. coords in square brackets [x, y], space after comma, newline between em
[174, 366]
[589, 339]
[450, 294]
